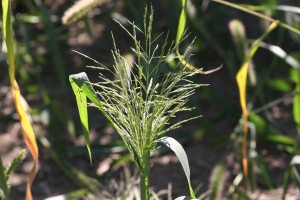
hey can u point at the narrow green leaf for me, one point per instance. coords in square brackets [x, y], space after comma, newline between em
[83, 83]
[17, 160]
[286, 182]
[181, 155]
[264, 171]
[82, 88]
[217, 182]
[182, 21]
[80, 85]
[268, 132]
[296, 107]
[4, 192]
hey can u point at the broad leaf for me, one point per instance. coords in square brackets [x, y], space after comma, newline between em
[181, 155]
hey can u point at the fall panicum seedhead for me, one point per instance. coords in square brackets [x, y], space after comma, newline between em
[141, 100]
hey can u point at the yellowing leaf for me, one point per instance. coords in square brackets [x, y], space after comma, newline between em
[27, 130]
[241, 79]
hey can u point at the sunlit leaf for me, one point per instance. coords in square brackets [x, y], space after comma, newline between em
[82, 88]
[182, 21]
[181, 155]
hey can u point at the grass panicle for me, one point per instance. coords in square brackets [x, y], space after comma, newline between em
[141, 100]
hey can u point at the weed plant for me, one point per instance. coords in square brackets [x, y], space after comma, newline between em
[141, 100]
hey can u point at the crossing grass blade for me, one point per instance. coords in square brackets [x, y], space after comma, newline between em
[27, 130]
[181, 155]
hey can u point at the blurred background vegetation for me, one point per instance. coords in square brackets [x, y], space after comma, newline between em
[213, 142]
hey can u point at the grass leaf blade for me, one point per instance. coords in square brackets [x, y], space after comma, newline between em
[27, 130]
[82, 88]
[181, 155]
[241, 79]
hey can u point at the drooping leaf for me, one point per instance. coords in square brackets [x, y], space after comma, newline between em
[82, 88]
[181, 155]
[27, 130]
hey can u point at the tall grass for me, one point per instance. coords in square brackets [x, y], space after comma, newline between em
[140, 101]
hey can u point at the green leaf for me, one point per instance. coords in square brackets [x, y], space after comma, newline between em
[264, 172]
[268, 132]
[182, 21]
[181, 155]
[82, 88]
[217, 181]
[4, 192]
[296, 107]
[17, 160]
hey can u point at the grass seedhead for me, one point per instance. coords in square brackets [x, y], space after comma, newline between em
[140, 100]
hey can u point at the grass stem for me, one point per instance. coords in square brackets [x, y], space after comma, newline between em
[144, 176]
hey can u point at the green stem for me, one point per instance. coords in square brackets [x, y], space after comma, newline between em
[3, 183]
[144, 176]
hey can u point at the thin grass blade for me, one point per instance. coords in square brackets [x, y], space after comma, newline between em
[17, 160]
[217, 182]
[296, 107]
